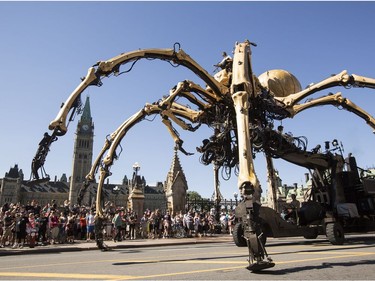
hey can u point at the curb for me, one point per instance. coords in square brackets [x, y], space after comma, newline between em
[82, 246]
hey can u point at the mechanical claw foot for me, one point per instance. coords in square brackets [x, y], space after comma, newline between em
[258, 266]
[104, 248]
[99, 225]
[101, 245]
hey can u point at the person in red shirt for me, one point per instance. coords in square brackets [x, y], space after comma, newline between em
[83, 226]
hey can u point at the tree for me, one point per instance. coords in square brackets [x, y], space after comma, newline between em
[193, 195]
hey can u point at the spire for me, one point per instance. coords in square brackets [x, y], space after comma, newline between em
[176, 165]
[86, 114]
[176, 169]
[14, 173]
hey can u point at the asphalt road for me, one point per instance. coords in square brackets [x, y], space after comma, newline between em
[296, 259]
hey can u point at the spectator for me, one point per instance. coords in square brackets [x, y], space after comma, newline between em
[83, 225]
[22, 229]
[211, 223]
[117, 222]
[8, 227]
[205, 224]
[62, 225]
[167, 221]
[132, 220]
[108, 230]
[42, 222]
[197, 225]
[124, 225]
[69, 228]
[231, 221]
[189, 223]
[31, 230]
[17, 230]
[5, 208]
[90, 223]
[224, 221]
[143, 226]
[53, 225]
[151, 225]
[157, 223]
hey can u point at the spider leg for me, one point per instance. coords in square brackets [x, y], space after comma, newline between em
[106, 68]
[102, 69]
[242, 89]
[90, 177]
[341, 79]
[169, 111]
[335, 100]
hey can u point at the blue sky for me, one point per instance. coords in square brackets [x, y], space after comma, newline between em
[47, 46]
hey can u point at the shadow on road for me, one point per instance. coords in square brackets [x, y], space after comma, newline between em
[177, 260]
[367, 240]
[324, 265]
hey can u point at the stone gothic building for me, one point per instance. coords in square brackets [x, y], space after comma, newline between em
[176, 186]
[171, 195]
[284, 191]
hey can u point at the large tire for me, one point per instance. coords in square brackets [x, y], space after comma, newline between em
[335, 233]
[238, 238]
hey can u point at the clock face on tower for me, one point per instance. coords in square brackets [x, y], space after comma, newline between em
[85, 127]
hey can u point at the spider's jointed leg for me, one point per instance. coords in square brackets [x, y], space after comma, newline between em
[170, 111]
[336, 100]
[242, 90]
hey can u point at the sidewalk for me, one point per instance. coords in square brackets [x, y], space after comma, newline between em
[82, 245]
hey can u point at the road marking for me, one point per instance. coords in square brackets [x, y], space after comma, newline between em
[184, 273]
[323, 258]
[128, 277]
[237, 267]
[116, 261]
[65, 275]
[334, 253]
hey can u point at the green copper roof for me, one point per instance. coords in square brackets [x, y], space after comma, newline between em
[86, 114]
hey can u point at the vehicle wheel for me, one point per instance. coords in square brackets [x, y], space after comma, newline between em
[238, 238]
[335, 233]
[311, 234]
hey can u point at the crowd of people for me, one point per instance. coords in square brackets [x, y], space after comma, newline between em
[32, 224]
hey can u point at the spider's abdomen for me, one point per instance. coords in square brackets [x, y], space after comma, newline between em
[280, 83]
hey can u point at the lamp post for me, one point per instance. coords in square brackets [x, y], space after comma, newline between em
[187, 206]
[137, 197]
[136, 168]
[235, 194]
[116, 191]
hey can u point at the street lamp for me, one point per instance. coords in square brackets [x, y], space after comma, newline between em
[136, 168]
[116, 191]
[187, 206]
[235, 194]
